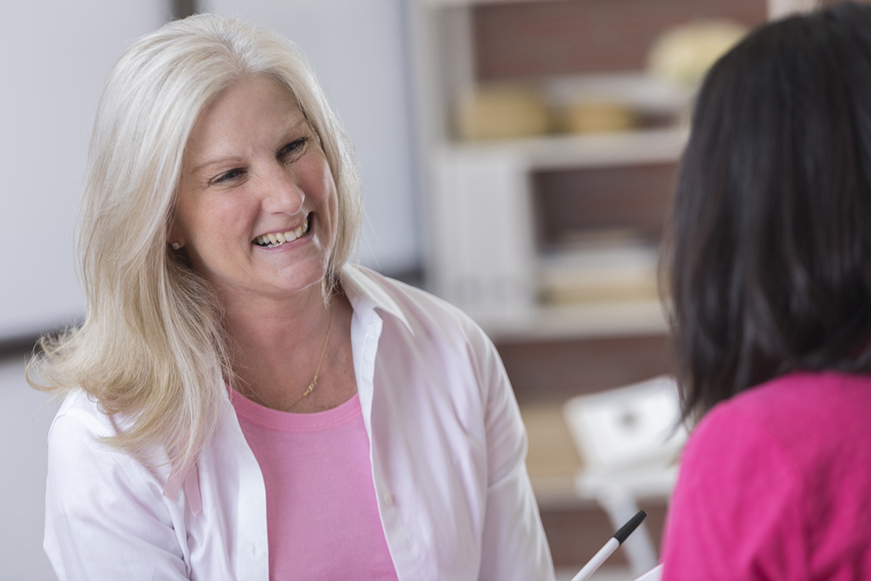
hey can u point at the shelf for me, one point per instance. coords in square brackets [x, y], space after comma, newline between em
[482, 197]
[580, 151]
[450, 3]
[617, 319]
[552, 460]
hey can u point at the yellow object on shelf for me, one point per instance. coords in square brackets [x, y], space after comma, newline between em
[599, 286]
[598, 117]
[502, 112]
[685, 54]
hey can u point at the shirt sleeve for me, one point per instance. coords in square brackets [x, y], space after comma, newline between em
[514, 546]
[736, 513]
[103, 521]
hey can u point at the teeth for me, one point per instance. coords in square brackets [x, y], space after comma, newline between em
[279, 238]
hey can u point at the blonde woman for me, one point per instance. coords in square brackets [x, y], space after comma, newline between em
[240, 402]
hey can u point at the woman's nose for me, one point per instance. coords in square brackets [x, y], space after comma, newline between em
[281, 192]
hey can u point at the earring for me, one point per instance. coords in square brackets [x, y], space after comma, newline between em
[176, 246]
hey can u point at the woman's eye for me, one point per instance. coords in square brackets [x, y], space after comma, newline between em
[228, 176]
[294, 147]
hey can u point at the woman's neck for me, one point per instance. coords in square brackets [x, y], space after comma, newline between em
[277, 346]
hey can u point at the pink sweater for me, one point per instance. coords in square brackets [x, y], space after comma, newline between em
[775, 484]
[322, 517]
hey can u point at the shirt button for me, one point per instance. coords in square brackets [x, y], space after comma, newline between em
[388, 499]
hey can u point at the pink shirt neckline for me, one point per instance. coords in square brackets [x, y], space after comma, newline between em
[295, 422]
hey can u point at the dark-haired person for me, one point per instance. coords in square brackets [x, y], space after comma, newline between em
[770, 263]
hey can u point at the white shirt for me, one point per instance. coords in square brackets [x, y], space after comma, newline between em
[448, 453]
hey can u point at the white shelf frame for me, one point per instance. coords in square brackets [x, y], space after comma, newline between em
[443, 3]
[585, 151]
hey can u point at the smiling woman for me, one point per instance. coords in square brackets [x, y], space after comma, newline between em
[254, 170]
[241, 403]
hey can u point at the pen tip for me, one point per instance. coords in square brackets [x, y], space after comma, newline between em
[630, 526]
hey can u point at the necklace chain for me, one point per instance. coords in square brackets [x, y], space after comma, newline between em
[314, 381]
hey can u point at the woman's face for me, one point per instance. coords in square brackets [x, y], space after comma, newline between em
[257, 204]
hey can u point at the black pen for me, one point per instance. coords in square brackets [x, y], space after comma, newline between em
[611, 546]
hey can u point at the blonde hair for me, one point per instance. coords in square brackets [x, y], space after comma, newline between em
[151, 347]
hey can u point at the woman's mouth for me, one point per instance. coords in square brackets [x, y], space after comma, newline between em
[279, 238]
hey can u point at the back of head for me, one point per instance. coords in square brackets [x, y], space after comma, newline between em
[770, 250]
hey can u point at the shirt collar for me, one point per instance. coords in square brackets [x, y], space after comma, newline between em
[363, 288]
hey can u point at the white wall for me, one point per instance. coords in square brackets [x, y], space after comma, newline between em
[359, 50]
[55, 58]
[25, 416]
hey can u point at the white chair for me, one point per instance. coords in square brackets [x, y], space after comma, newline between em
[629, 439]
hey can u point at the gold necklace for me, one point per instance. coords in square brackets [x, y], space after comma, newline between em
[314, 382]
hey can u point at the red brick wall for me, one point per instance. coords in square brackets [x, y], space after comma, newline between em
[553, 371]
[635, 197]
[530, 39]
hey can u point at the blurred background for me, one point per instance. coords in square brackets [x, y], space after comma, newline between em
[517, 158]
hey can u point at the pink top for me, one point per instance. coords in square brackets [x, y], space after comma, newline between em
[776, 484]
[322, 515]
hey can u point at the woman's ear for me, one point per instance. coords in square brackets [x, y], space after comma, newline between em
[174, 237]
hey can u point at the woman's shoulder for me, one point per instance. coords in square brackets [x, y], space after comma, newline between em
[774, 471]
[81, 413]
[78, 453]
[82, 428]
[807, 418]
[415, 306]
[798, 400]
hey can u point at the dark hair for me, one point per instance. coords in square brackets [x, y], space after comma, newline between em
[770, 249]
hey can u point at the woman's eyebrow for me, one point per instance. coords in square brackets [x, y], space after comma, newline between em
[217, 161]
[301, 122]
[294, 127]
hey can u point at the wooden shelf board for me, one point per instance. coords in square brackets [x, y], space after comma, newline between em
[554, 152]
[450, 3]
[582, 320]
[552, 460]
